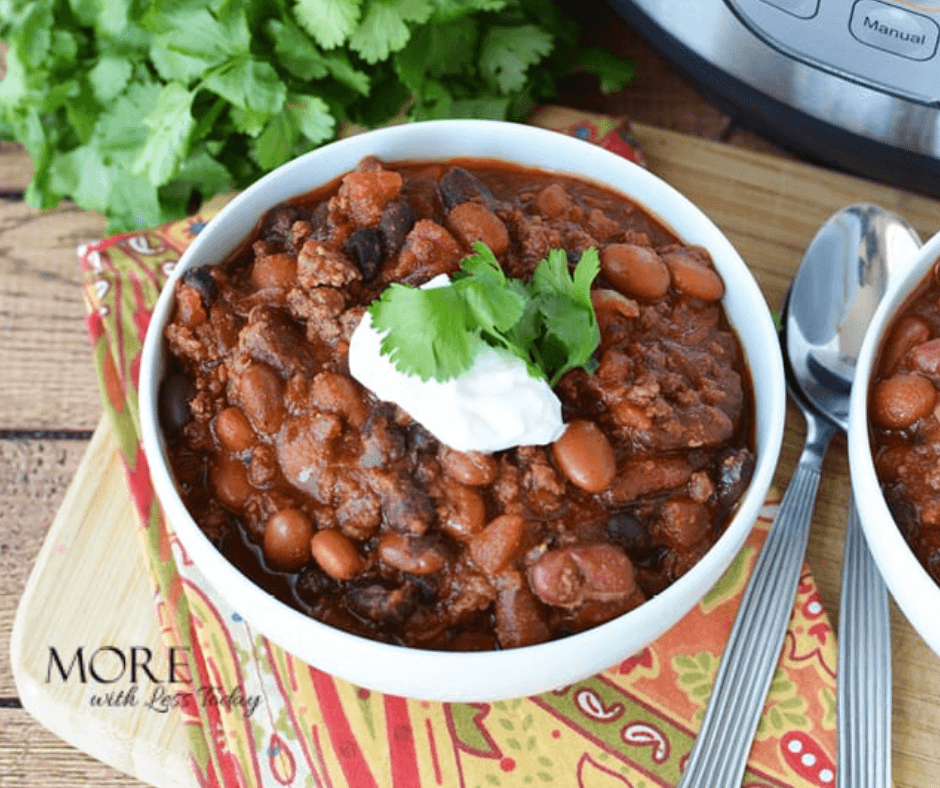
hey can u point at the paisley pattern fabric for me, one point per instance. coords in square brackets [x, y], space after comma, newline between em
[256, 716]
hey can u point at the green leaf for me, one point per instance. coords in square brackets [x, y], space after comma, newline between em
[83, 176]
[330, 22]
[34, 35]
[312, 115]
[249, 122]
[508, 52]
[275, 145]
[447, 10]
[296, 51]
[484, 107]
[170, 123]
[248, 84]
[110, 77]
[429, 331]
[173, 65]
[496, 302]
[83, 112]
[437, 50]
[384, 28]
[203, 173]
[612, 72]
[119, 131]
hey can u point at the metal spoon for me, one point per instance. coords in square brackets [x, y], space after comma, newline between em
[840, 282]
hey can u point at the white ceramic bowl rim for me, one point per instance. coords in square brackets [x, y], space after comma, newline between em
[512, 672]
[915, 591]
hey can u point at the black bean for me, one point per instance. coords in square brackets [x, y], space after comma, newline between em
[395, 223]
[381, 604]
[203, 282]
[734, 474]
[176, 392]
[364, 246]
[313, 584]
[626, 529]
[650, 558]
[277, 223]
[458, 185]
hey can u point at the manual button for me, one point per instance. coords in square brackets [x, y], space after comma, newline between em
[894, 29]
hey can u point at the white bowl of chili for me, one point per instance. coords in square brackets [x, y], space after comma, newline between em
[893, 428]
[509, 573]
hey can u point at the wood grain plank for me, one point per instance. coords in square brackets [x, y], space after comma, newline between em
[42, 319]
[30, 755]
[16, 168]
[34, 476]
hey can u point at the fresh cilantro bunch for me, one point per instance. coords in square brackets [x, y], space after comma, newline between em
[140, 109]
[549, 322]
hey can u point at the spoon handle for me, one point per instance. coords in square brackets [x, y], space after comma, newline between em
[719, 755]
[864, 669]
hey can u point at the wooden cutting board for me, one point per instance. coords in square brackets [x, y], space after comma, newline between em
[90, 587]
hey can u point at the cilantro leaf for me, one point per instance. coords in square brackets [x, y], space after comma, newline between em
[495, 301]
[507, 53]
[384, 27]
[330, 22]
[430, 331]
[549, 323]
[109, 77]
[170, 123]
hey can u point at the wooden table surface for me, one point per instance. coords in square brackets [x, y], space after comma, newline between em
[49, 405]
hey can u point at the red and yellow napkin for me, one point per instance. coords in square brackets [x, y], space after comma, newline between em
[256, 716]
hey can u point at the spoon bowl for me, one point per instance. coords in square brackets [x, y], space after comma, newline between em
[829, 306]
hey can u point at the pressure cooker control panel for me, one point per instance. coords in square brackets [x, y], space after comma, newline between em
[890, 46]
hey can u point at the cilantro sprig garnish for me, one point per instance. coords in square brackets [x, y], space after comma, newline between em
[548, 322]
[142, 109]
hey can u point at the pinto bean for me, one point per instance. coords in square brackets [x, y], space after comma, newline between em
[336, 554]
[260, 393]
[286, 541]
[901, 400]
[494, 548]
[925, 358]
[909, 332]
[554, 201]
[682, 523]
[462, 510]
[414, 555]
[229, 478]
[635, 270]
[613, 311]
[585, 456]
[340, 394]
[640, 477]
[233, 429]
[520, 619]
[473, 468]
[570, 576]
[470, 221]
[692, 275]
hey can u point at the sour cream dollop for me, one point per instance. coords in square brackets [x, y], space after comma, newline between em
[495, 405]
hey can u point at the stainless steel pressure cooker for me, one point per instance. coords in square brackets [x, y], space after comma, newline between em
[854, 84]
